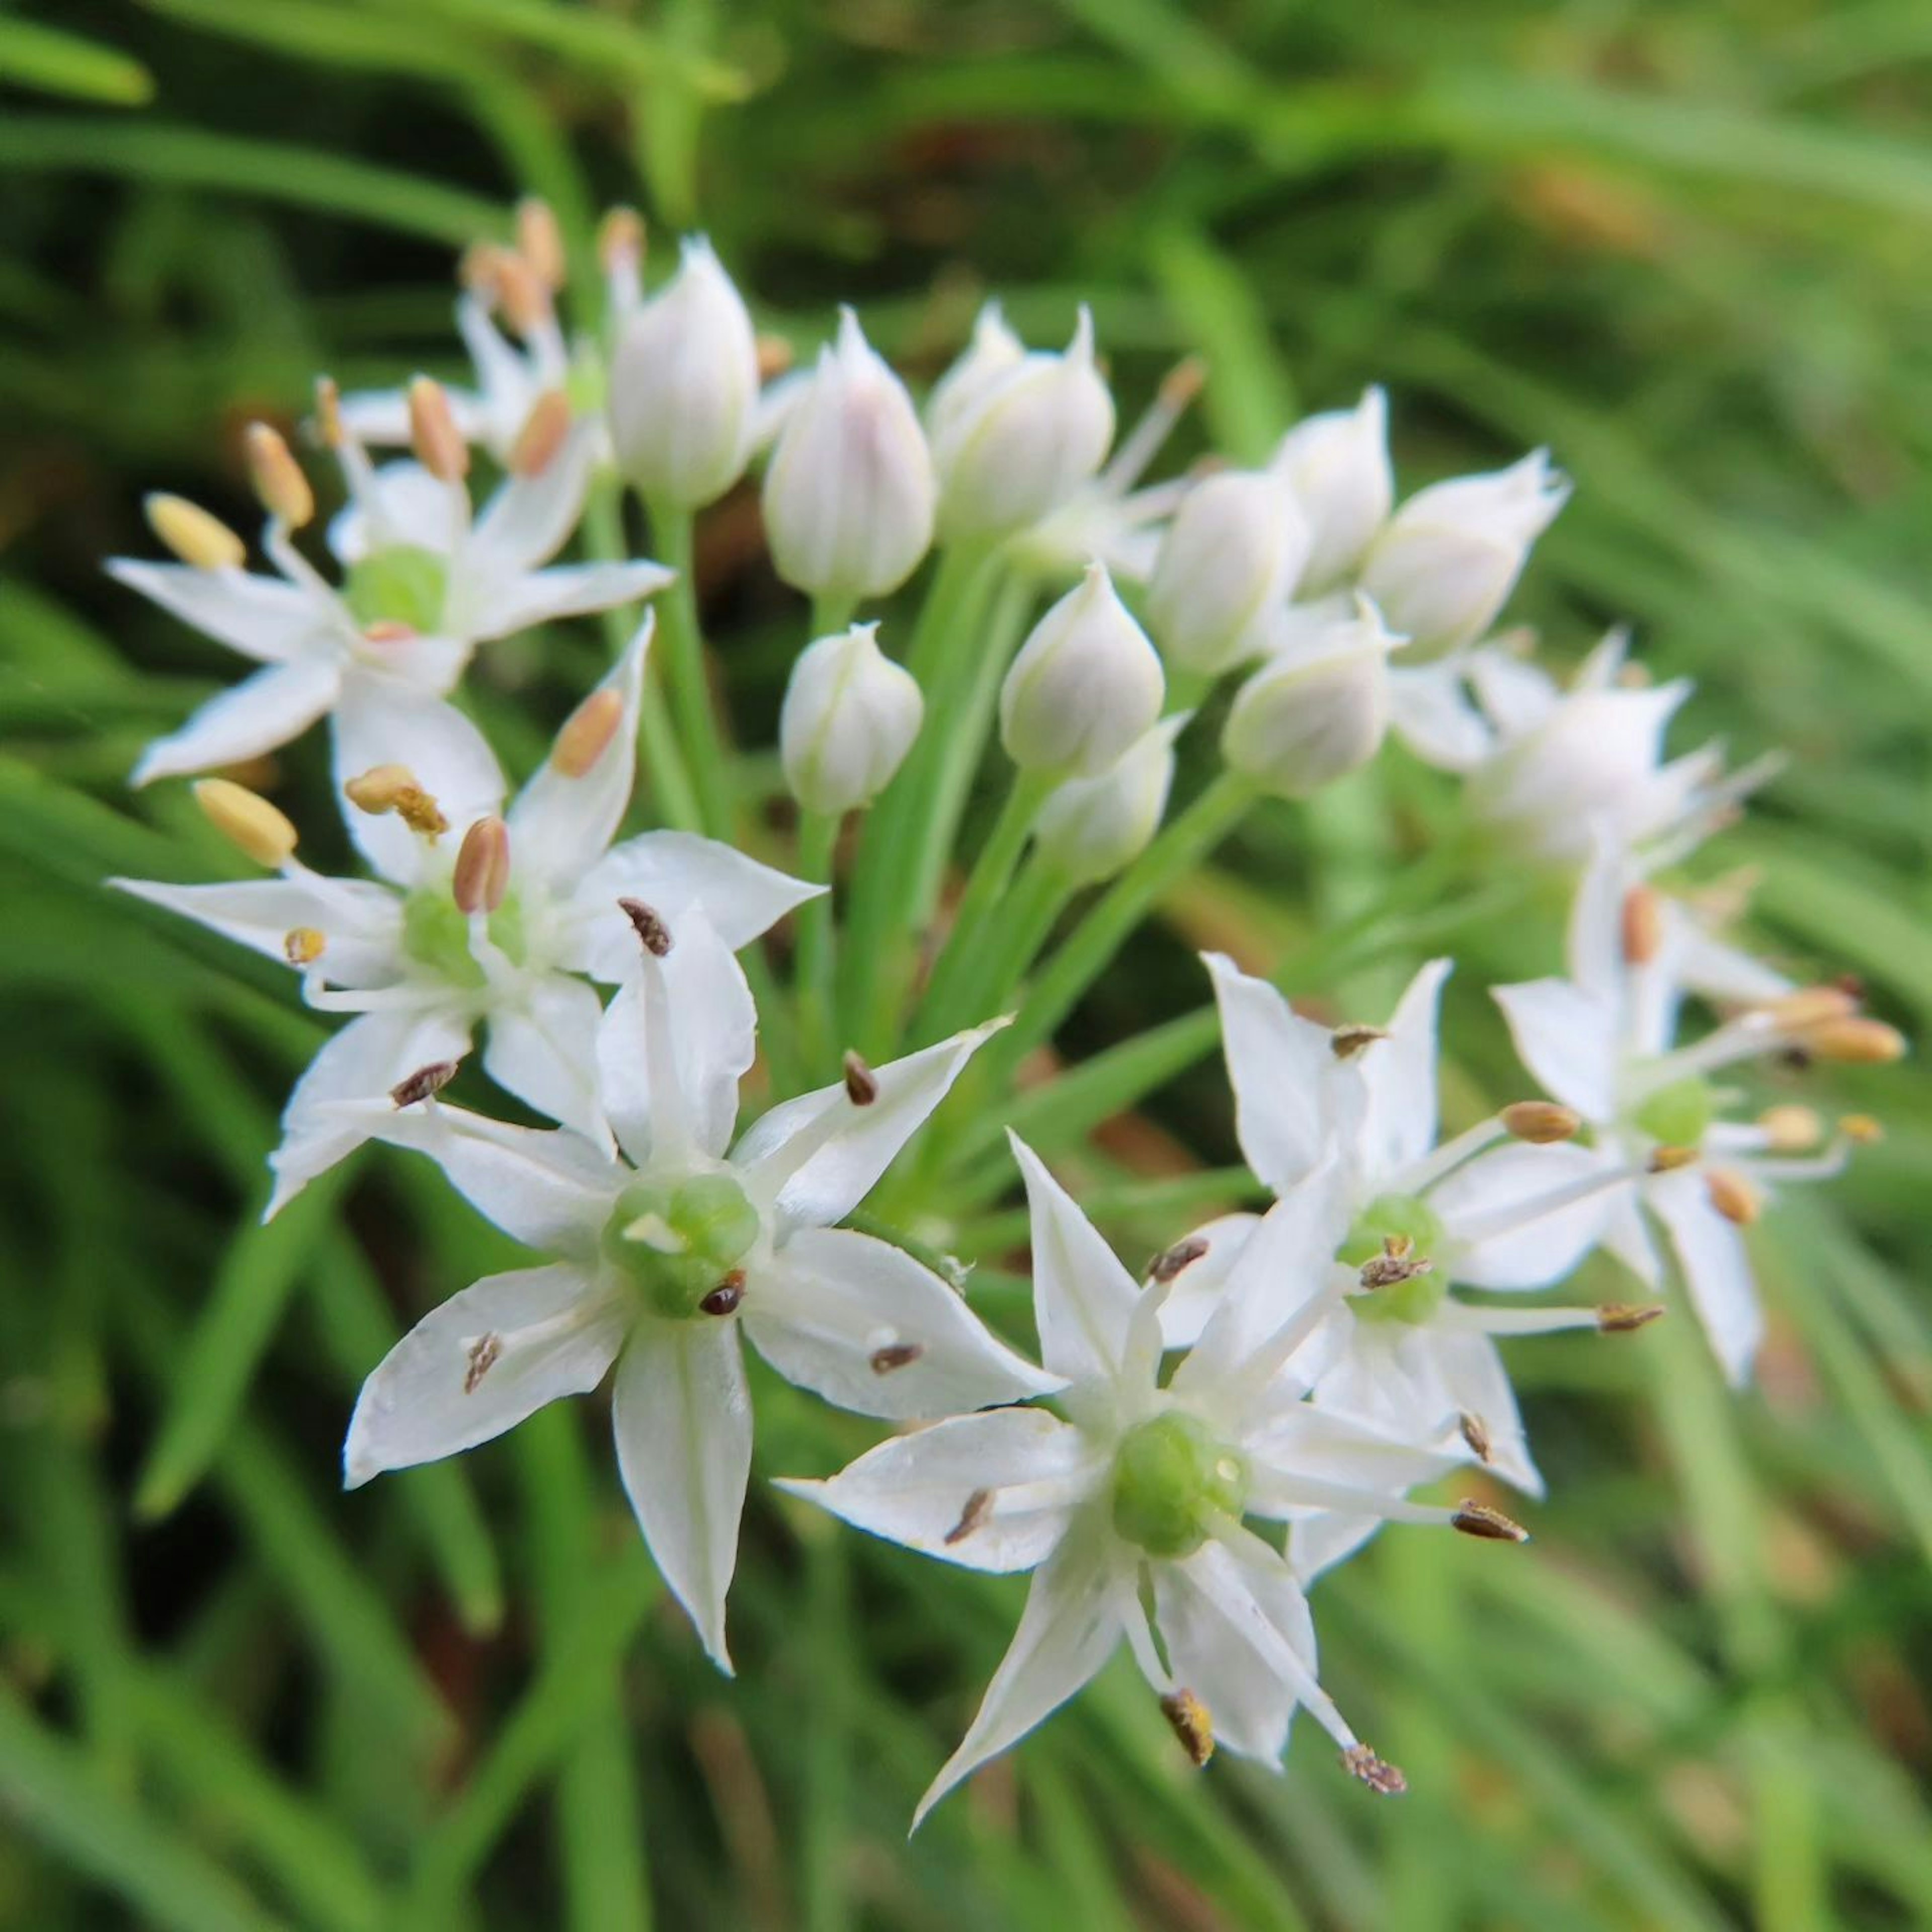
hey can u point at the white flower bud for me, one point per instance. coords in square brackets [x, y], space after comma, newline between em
[850, 717]
[994, 352]
[1453, 552]
[1337, 464]
[1303, 721]
[1013, 443]
[1232, 555]
[1092, 828]
[684, 385]
[1086, 684]
[849, 496]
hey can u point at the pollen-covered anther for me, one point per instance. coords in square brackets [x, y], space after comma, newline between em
[1383, 1778]
[1791, 1129]
[973, 1515]
[1667, 1159]
[438, 443]
[1171, 1262]
[586, 734]
[545, 430]
[424, 1083]
[328, 429]
[481, 875]
[519, 292]
[247, 820]
[1732, 1195]
[394, 788]
[303, 946]
[1183, 382]
[726, 1296]
[1475, 1431]
[895, 1355]
[1810, 1007]
[484, 1353]
[862, 1084]
[620, 242]
[1398, 1262]
[1854, 1041]
[775, 355]
[1541, 1123]
[283, 490]
[1192, 1723]
[1861, 1129]
[1642, 926]
[1625, 1318]
[1489, 1525]
[1345, 1042]
[648, 924]
[540, 241]
[197, 537]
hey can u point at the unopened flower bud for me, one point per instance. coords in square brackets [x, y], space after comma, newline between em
[283, 490]
[1541, 1123]
[1090, 829]
[992, 355]
[247, 820]
[1337, 464]
[199, 539]
[684, 385]
[1235, 551]
[849, 718]
[849, 497]
[481, 876]
[1086, 684]
[1011, 448]
[1303, 721]
[1453, 552]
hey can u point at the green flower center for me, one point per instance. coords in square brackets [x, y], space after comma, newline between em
[436, 935]
[403, 584]
[1398, 1217]
[1680, 1114]
[679, 1242]
[1171, 1479]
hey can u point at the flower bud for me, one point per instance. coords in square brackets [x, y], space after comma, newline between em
[1011, 444]
[992, 355]
[850, 717]
[684, 385]
[1337, 464]
[1233, 553]
[1301, 722]
[1090, 829]
[1453, 552]
[1086, 684]
[849, 496]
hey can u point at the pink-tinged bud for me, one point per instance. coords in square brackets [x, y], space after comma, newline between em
[1232, 555]
[482, 873]
[850, 717]
[1337, 464]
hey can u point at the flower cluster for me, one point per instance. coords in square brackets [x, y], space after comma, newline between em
[1197, 1445]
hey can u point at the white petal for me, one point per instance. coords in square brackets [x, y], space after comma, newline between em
[1399, 1075]
[1709, 966]
[1595, 940]
[1517, 696]
[849, 1147]
[1197, 1289]
[1319, 1542]
[528, 519]
[1472, 1371]
[1716, 1269]
[1430, 712]
[1539, 1250]
[406, 506]
[263, 711]
[1567, 1040]
[560, 826]
[1293, 1098]
[265, 618]
[683, 1420]
[567, 590]
[830, 1301]
[361, 923]
[1069, 1628]
[409, 668]
[1626, 1235]
[477, 1366]
[1032, 1470]
[543, 1048]
[1323, 1444]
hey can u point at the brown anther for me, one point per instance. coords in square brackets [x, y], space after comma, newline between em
[1732, 1195]
[277, 478]
[978, 1507]
[862, 1084]
[389, 630]
[434, 435]
[1183, 382]
[1398, 1262]
[520, 293]
[1383, 1778]
[1624, 1318]
[481, 875]
[540, 241]
[328, 430]
[1810, 1007]
[545, 432]
[1667, 1159]
[1855, 1042]
[898, 1355]
[1345, 1042]
[727, 1295]
[1489, 1526]
[483, 1354]
[1476, 1433]
[302, 945]
[424, 1083]
[1791, 1129]
[1170, 1261]
[620, 240]
[195, 536]
[1192, 1724]
[1642, 927]
[1541, 1123]
[1861, 1129]
[586, 734]
[247, 820]
[652, 933]
[775, 356]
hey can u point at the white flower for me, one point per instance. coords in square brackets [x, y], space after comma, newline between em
[1090, 829]
[420, 972]
[1013, 439]
[423, 583]
[849, 497]
[849, 718]
[656, 1257]
[1086, 683]
[1448, 559]
[1231, 557]
[1140, 1498]
[684, 386]
[1337, 464]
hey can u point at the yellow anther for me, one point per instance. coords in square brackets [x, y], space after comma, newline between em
[1810, 1006]
[775, 356]
[434, 435]
[247, 820]
[1861, 1129]
[302, 945]
[1854, 1041]
[620, 242]
[1668, 1159]
[1192, 1723]
[1732, 1195]
[194, 535]
[328, 429]
[586, 734]
[277, 477]
[1541, 1123]
[540, 241]
[394, 788]
[1791, 1129]
[1642, 925]
[542, 435]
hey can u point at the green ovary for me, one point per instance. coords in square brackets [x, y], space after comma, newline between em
[403, 584]
[1678, 1115]
[678, 1241]
[1398, 1217]
[1171, 1479]
[436, 935]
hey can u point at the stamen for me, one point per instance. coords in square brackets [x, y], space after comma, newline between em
[1398, 1262]
[1345, 1042]
[521, 296]
[1170, 1262]
[302, 945]
[424, 1083]
[1487, 1524]
[1668, 1159]
[1192, 1724]
[247, 820]
[328, 429]
[394, 788]
[438, 443]
[1861, 1129]
[1791, 1129]
[898, 1355]
[726, 1296]
[1384, 1779]
[544, 431]
[1642, 925]
[652, 931]
[1856, 1041]
[1809, 1006]
[1732, 1195]
[862, 1084]
[1625, 1318]
[979, 1507]
[540, 241]
[1475, 1431]
[620, 242]
[389, 630]
[775, 356]
[1138, 448]
[1513, 1219]
[481, 876]
[586, 734]
[1541, 1123]
[277, 478]
[484, 1354]
[197, 537]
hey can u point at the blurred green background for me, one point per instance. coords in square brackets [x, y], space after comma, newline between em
[1685, 246]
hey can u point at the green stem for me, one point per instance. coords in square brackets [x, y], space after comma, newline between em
[816, 981]
[682, 645]
[830, 617]
[1039, 896]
